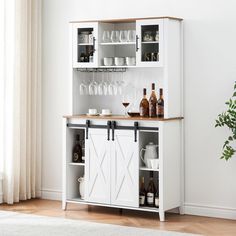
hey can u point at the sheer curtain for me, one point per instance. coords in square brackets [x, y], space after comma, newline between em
[20, 96]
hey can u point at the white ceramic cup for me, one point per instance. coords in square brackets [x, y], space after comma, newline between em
[92, 111]
[154, 163]
[108, 61]
[106, 111]
[119, 61]
[130, 61]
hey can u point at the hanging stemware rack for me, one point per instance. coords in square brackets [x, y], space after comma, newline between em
[101, 69]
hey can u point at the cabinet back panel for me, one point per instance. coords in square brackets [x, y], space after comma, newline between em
[135, 80]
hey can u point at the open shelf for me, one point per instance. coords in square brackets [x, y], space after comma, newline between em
[118, 43]
[150, 42]
[81, 201]
[147, 169]
[151, 209]
[85, 44]
[117, 66]
[76, 164]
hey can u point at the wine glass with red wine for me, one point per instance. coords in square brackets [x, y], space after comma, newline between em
[126, 102]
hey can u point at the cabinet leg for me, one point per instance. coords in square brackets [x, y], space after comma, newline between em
[64, 205]
[162, 215]
[181, 210]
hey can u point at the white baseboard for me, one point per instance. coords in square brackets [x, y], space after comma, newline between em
[51, 194]
[189, 208]
[210, 211]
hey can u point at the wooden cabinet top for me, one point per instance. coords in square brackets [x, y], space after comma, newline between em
[128, 19]
[120, 117]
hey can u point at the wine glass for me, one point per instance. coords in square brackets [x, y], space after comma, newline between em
[93, 87]
[110, 87]
[102, 87]
[120, 84]
[123, 35]
[106, 36]
[131, 35]
[104, 84]
[114, 36]
[126, 102]
[83, 88]
[114, 83]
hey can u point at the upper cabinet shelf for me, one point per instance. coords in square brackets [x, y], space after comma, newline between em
[150, 42]
[118, 43]
[139, 43]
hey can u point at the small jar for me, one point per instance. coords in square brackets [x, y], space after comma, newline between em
[147, 36]
[90, 38]
[156, 201]
[157, 36]
[84, 37]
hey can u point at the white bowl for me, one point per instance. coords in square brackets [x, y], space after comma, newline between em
[108, 61]
[119, 61]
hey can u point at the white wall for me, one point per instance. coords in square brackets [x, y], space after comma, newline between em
[210, 70]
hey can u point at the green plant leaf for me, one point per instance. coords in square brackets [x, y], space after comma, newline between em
[228, 119]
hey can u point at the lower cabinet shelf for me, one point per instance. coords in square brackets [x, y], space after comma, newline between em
[81, 201]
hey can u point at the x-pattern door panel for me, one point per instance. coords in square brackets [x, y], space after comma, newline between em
[97, 170]
[125, 170]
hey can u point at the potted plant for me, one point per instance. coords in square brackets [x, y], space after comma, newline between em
[228, 119]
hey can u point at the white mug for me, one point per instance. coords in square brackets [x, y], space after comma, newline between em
[92, 111]
[154, 163]
[106, 111]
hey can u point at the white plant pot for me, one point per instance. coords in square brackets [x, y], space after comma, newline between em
[81, 187]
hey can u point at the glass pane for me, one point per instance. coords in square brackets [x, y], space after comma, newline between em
[150, 43]
[85, 45]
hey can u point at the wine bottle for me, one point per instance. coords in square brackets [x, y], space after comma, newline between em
[160, 105]
[144, 105]
[153, 102]
[157, 196]
[77, 150]
[151, 190]
[142, 193]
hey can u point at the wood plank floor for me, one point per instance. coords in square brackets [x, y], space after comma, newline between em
[174, 222]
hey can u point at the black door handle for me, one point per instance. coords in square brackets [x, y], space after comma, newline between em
[87, 127]
[137, 48]
[108, 129]
[135, 131]
[113, 126]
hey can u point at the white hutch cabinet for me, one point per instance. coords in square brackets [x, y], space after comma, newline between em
[112, 144]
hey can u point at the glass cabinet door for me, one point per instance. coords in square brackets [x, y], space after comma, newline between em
[85, 45]
[149, 43]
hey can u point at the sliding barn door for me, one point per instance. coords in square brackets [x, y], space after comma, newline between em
[97, 170]
[124, 169]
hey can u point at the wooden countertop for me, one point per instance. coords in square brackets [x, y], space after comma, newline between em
[120, 117]
[118, 20]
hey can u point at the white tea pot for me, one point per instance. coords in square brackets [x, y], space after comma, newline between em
[150, 153]
[81, 187]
